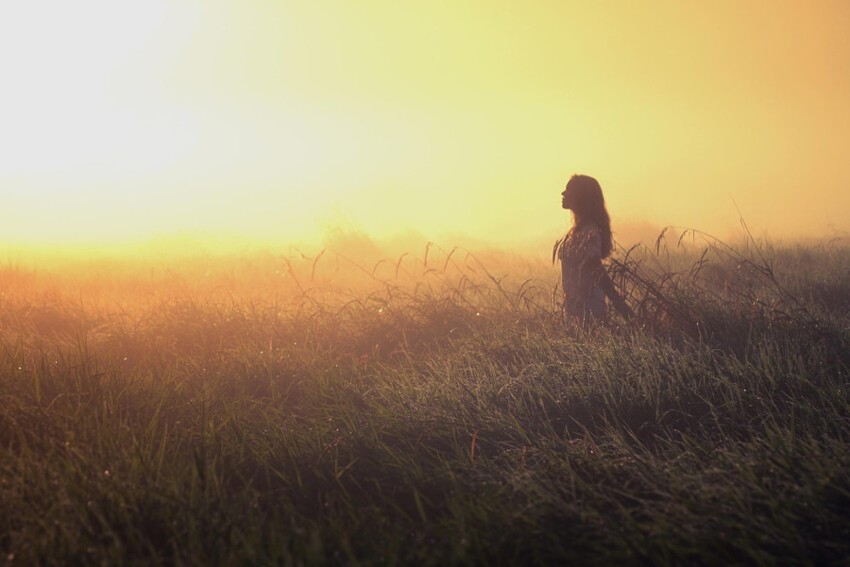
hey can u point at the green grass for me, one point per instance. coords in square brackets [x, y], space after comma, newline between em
[427, 411]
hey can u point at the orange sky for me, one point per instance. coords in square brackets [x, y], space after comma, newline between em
[273, 120]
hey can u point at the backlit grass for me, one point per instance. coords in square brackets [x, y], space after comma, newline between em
[427, 410]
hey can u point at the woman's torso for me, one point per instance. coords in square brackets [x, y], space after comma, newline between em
[582, 245]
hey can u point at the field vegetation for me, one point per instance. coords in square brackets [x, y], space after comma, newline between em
[430, 409]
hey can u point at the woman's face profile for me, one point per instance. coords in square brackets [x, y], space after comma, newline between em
[567, 198]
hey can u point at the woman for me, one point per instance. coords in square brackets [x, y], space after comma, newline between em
[585, 282]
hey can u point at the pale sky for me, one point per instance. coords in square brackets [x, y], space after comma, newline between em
[272, 120]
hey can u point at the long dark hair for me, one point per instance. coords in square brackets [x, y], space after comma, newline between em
[589, 207]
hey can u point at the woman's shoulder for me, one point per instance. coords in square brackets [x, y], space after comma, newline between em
[585, 240]
[585, 232]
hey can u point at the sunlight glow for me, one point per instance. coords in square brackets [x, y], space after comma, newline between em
[127, 120]
[63, 108]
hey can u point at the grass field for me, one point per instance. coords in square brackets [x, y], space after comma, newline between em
[433, 409]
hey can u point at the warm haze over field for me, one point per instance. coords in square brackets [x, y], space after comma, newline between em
[276, 282]
[273, 120]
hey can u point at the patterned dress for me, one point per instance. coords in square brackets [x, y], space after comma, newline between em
[583, 296]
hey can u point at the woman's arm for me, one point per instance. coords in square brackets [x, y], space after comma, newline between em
[603, 280]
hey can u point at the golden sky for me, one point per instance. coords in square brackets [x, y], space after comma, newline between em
[274, 119]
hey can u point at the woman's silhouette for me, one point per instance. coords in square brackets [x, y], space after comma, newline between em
[581, 251]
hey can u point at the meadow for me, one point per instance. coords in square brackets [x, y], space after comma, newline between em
[431, 409]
